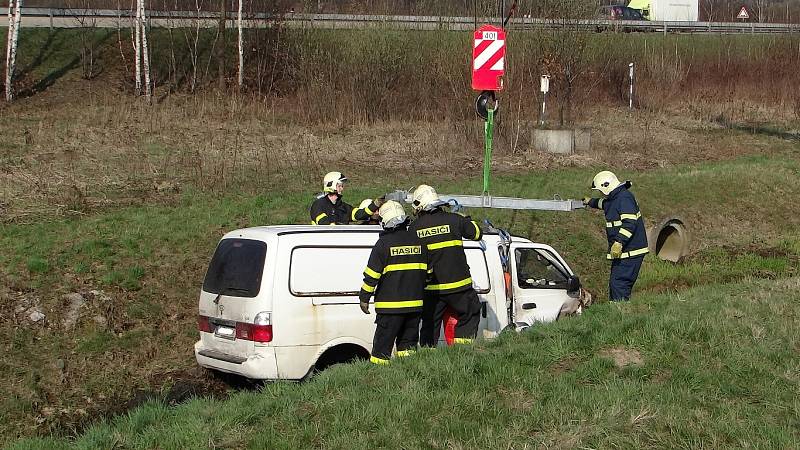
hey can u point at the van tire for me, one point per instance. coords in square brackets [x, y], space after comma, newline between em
[343, 353]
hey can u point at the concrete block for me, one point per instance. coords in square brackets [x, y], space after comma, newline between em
[562, 142]
[583, 140]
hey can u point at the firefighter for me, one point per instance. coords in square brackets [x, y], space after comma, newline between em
[395, 274]
[627, 238]
[366, 205]
[330, 209]
[450, 283]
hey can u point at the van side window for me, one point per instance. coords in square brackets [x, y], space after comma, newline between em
[236, 268]
[479, 271]
[537, 269]
[327, 271]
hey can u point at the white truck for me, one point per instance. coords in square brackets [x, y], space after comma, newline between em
[667, 10]
[280, 302]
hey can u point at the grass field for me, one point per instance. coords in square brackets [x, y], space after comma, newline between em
[149, 261]
[714, 367]
[123, 203]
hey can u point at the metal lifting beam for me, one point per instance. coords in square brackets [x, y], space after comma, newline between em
[488, 201]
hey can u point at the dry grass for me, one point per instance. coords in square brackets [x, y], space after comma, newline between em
[69, 155]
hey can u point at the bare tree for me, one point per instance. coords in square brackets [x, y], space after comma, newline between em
[142, 53]
[137, 49]
[241, 46]
[221, 33]
[85, 19]
[14, 19]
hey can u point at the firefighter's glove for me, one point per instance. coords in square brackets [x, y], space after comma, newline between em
[379, 201]
[364, 307]
[586, 201]
[616, 250]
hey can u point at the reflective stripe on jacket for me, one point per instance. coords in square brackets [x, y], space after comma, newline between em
[443, 233]
[624, 221]
[325, 212]
[396, 272]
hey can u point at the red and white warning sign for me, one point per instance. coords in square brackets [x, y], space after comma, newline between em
[743, 14]
[488, 58]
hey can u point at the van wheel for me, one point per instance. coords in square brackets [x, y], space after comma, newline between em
[340, 354]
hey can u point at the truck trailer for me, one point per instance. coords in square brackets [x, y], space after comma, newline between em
[667, 10]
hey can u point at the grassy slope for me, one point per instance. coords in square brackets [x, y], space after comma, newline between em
[151, 259]
[718, 369]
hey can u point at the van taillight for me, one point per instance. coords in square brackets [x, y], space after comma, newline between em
[203, 324]
[258, 331]
[255, 333]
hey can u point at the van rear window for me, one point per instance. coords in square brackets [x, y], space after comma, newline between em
[236, 268]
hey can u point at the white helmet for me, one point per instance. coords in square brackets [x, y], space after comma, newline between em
[331, 180]
[605, 182]
[392, 214]
[425, 198]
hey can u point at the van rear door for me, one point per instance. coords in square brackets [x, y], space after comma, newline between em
[232, 296]
[540, 278]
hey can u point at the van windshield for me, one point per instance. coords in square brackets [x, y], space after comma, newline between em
[236, 268]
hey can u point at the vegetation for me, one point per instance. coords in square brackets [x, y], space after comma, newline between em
[714, 366]
[122, 203]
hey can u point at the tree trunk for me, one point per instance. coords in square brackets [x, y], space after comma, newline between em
[241, 47]
[221, 47]
[137, 47]
[14, 19]
[145, 54]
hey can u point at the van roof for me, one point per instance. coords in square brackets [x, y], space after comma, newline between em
[265, 232]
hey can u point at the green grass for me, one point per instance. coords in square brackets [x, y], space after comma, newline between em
[718, 370]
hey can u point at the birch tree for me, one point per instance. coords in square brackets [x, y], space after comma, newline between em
[14, 18]
[142, 54]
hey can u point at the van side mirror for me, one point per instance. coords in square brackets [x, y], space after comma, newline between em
[573, 284]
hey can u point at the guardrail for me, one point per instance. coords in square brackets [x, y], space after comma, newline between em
[104, 18]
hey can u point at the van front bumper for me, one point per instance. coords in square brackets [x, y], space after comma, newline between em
[260, 366]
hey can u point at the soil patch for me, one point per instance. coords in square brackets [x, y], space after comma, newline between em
[623, 357]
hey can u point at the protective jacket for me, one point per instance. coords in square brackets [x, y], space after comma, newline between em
[442, 232]
[396, 272]
[624, 223]
[324, 212]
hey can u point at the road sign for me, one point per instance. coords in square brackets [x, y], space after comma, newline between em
[743, 13]
[488, 58]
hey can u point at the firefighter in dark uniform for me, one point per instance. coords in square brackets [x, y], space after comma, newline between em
[450, 283]
[330, 209]
[395, 274]
[627, 238]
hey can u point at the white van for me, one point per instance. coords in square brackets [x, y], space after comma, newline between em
[280, 302]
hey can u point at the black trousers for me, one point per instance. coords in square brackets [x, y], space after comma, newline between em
[466, 306]
[399, 329]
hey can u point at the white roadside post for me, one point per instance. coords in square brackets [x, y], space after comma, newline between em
[544, 87]
[630, 96]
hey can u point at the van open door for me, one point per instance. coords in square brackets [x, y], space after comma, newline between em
[540, 281]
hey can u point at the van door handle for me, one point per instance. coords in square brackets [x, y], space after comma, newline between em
[528, 305]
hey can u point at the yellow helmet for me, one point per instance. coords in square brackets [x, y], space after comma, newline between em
[331, 180]
[605, 182]
[425, 198]
[392, 214]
